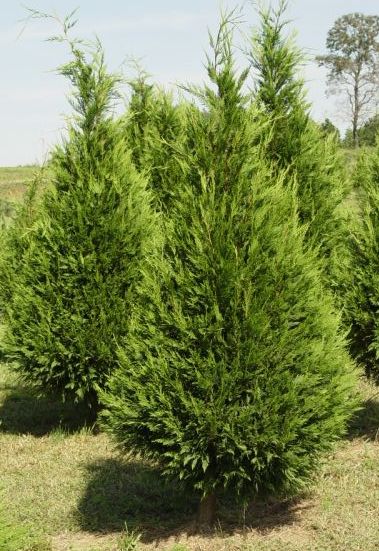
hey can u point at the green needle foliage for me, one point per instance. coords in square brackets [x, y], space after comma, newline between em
[362, 288]
[154, 130]
[138, 117]
[294, 142]
[234, 375]
[278, 89]
[70, 294]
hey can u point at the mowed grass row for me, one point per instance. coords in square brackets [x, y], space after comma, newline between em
[61, 479]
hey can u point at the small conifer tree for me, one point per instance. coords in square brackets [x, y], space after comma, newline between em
[279, 90]
[138, 117]
[234, 374]
[70, 294]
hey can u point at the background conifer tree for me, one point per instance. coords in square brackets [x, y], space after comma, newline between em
[154, 126]
[295, 143]
[234, 374]
[362, 287]
[279, 89]
[138, 117]
[69, 298]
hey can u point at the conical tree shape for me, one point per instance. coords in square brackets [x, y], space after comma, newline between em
[362, 287]
[294, 142]
[278, 89]
[234, 375]
[70, 297]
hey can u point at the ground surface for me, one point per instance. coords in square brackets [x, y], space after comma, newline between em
[61, 479]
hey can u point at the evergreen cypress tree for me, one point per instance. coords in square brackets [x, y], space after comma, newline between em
[70, 294]
[295, 143]
[234, 374]
[279, 90]
[362, 287]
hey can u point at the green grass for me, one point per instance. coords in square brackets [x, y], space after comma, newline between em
[62, 480]
[18, 537]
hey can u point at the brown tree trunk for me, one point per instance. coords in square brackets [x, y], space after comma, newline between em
[207, 510]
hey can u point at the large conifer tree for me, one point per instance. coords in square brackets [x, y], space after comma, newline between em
[69, 293]
[234, 374]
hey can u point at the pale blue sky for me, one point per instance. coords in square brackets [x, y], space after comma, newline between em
[169, 36]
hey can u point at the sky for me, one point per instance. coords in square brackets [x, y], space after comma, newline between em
[169, 38]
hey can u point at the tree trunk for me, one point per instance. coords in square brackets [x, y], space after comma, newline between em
[356, 112]
[207, 510]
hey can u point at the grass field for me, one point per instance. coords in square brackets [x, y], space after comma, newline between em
[13, 181]
[63, 481]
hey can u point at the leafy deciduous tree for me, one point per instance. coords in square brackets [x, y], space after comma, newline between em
[353, 64]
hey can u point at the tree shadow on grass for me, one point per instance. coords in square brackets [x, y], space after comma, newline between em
[22, 411]
[365, 423]
[136, 494]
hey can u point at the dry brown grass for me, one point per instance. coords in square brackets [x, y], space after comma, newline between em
[13, 181]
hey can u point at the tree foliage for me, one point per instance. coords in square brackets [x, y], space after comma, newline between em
[362, 288]
[353, 64]
[367, 133]
[327, 127]
[313, 161]
[234, 374]
[13, 238]
[206, 329]
[279, 90]
[154, 127]
[70, 288]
